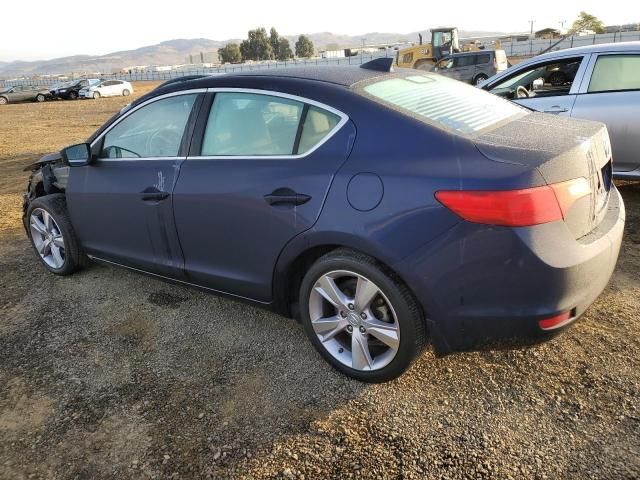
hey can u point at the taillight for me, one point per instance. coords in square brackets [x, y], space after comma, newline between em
[515, 208]
[556, 321]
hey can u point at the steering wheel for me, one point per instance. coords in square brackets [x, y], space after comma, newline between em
[163, 143]
[522, 92]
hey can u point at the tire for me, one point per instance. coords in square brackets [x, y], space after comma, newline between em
[58, 226]
[96, 95]
[73, 95]
[3, 100]
[393, 308]
[125, 93]
[40, 98]
[480, 78]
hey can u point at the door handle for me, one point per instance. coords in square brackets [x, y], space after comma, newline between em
[556, 109]
[283, 196]
[152, 193]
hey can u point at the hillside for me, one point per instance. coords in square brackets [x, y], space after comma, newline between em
[177, 51]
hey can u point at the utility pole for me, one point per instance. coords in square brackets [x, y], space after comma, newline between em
[531, 22]
[562, 22]
[362, 51]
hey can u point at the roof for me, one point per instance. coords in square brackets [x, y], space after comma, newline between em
[345, 75]
[602, 47]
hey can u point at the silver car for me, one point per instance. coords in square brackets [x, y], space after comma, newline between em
[599, 82]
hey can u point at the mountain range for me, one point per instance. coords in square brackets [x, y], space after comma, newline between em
[178, 51]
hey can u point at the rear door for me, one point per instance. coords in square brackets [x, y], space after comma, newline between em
[463, 67]
[257, 175]
[610, 93]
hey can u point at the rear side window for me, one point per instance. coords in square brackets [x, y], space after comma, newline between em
[615, 72]
[483, 59]
[445, 102]
[250, 124]
[465, 61]
[317, 125]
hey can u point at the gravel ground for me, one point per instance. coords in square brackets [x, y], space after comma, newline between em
[109, 374]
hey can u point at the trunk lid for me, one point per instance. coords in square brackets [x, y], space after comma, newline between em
[561, 149]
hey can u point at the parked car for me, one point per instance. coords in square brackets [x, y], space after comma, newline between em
[107, 88]
[71, 90]
[472, 67]
[599, 82]
[310, 191]
[23, 93]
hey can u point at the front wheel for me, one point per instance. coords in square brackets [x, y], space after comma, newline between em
[40, 98]
[360, 318]
[73, 95]
[96, 95]
[52, 235]
[479, 79]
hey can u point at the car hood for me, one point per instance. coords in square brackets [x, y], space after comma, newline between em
[48, 158]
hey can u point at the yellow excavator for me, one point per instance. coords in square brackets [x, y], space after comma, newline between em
[444, 41]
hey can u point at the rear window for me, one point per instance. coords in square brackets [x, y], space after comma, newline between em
[445, 102]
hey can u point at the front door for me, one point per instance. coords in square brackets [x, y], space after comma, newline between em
[121, 204]
[259, 174]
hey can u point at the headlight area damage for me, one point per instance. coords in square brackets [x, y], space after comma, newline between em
[49, 175]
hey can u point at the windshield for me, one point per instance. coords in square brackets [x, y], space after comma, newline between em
[445, 102]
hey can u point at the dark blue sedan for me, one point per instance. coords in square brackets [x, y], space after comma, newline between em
[383, 209]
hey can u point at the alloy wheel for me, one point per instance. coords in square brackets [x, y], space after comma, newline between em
[354, 320]
[47, 238]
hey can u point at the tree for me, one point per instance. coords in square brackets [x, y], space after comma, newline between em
[257, 46]
[274, 41]
[230, 53]
[304, 47]
[284, 50]
[586, 21]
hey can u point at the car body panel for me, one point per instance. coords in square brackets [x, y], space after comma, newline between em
[372, 188]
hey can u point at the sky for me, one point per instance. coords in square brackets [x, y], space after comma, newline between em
[128, 24]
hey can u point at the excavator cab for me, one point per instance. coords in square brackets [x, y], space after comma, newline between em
[444, 42]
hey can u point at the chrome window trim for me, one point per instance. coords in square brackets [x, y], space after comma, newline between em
[344, 118]
[138, 107]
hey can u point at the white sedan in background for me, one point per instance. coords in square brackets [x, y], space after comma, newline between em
[107, 88]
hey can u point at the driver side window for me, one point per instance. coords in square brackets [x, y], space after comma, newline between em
[155, 130]
[551, 78]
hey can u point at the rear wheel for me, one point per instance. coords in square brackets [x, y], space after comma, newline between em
[359, 317]
[479, 79]
[40, 98]
[3, 100]
[96, 95]
[125, 93]
[52, 235]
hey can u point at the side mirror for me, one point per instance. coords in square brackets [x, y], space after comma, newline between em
[77, 155]
[538, 83]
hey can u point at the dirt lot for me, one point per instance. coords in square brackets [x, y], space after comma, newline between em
[108, 374]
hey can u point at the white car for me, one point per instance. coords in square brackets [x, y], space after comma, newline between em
[107, 88]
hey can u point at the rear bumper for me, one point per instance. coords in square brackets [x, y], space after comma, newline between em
[479, 284]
